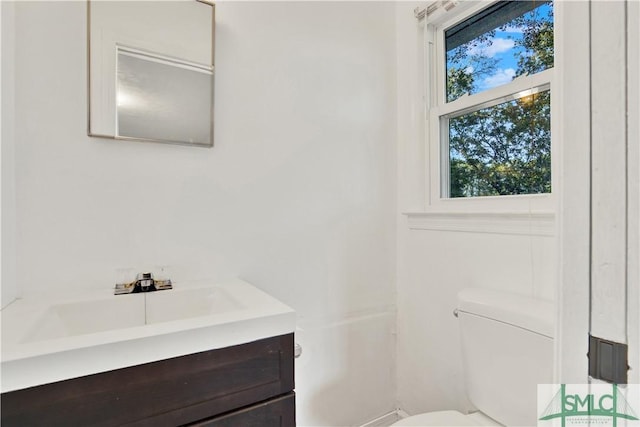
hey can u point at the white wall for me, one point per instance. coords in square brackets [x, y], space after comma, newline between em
[615, 289]
[297, 196]
[434, 265]
[590, 302]
[574, 210]
[633, 177]
[7, 153]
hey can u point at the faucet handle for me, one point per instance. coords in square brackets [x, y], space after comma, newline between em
[124, 288]
[125, 282]
[162, 284]
[162, 280]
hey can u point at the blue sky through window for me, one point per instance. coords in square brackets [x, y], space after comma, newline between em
[491, 59]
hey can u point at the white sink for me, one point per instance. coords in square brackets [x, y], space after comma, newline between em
[128, 311]
[51, 339]
[88, 317]
[166, 306]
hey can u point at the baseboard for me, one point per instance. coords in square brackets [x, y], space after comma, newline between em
[387, 419]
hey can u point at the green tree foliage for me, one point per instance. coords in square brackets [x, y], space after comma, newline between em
[504, 149]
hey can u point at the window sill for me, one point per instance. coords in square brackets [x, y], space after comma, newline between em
[512, 223]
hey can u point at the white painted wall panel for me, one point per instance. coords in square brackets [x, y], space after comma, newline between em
[633, 176]
[346, 392]
[8, 179]
[434, 265]
[608, 170]
[412, 152]
[574, 211]
[297, 196]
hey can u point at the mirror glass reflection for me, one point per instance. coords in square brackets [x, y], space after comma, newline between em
[162, 99]
[151, 71]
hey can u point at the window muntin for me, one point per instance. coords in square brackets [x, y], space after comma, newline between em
[494, 132]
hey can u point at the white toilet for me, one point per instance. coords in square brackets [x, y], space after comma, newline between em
[507, 350]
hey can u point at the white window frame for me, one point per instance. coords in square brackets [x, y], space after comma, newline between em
[437, 107]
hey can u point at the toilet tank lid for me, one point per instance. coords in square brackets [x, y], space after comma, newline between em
[530, 313]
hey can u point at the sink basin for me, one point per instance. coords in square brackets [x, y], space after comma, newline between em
[167, 306]
[127, 311]
[88, 317]
[50, 339]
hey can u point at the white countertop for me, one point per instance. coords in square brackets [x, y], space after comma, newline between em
[36, 351]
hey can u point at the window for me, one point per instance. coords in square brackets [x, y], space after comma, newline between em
[490, 101]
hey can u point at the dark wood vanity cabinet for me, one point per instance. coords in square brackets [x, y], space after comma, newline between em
[247, 385]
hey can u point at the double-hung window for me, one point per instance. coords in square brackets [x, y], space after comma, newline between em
[490, 72]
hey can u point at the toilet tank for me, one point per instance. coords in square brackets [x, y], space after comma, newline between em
[507, 350]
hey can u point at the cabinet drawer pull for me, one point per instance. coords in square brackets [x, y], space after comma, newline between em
[297, 350]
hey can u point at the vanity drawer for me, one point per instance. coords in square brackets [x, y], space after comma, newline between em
[277, 412]
[169, 392]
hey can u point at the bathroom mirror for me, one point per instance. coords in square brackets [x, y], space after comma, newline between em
[151, 70]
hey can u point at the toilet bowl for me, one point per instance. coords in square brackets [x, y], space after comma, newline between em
[507, 350]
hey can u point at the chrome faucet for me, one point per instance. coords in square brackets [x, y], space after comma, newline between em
[144, 283]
